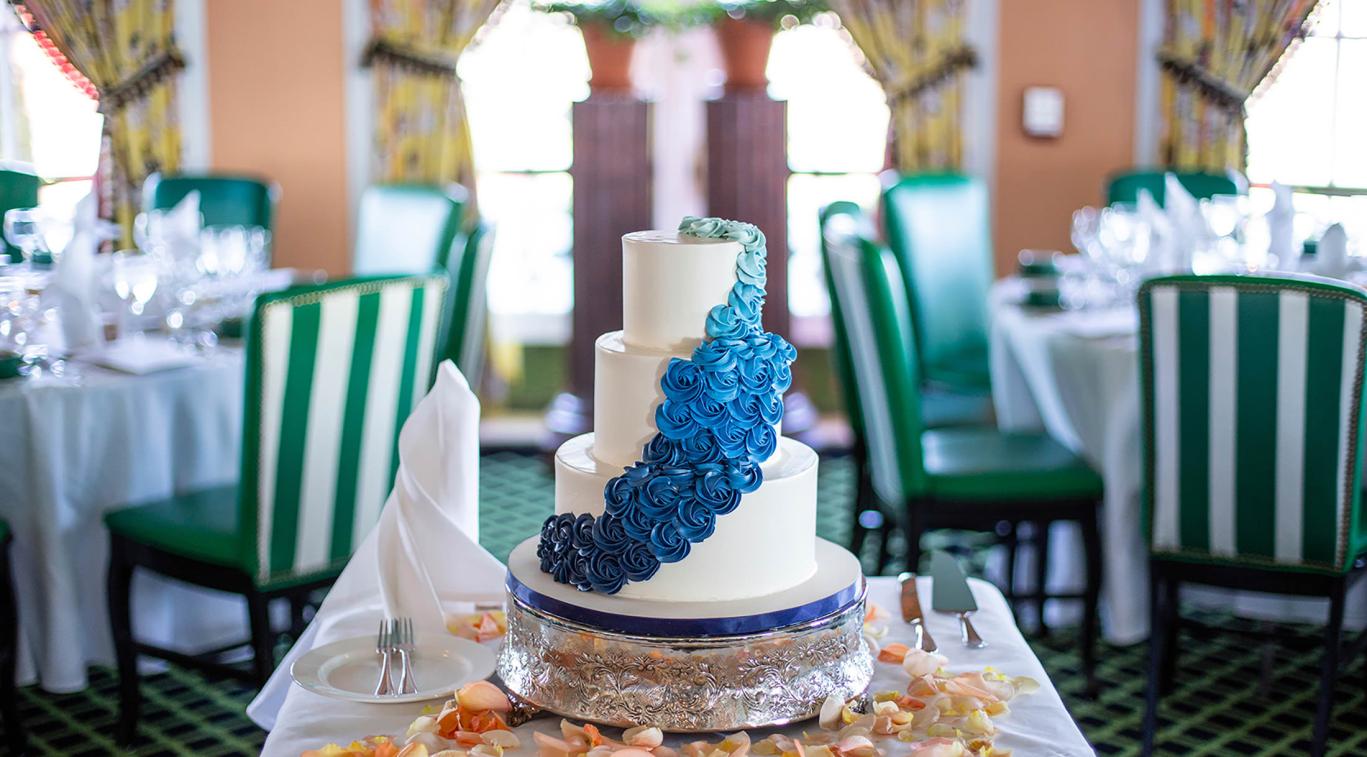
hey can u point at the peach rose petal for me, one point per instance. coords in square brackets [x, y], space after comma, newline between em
[482, 696]
[894, 652]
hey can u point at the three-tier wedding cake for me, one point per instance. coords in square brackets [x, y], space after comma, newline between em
[683, 552]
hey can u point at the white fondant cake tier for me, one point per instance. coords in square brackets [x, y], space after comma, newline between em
[836, 572]
[626, 391]
[669, 284]
[767, 545]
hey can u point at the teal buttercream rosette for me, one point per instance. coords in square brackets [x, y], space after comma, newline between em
[715, 429]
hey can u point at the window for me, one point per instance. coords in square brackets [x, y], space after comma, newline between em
[837, 134]
[1305, 128]
[520, 78]
[49, 122]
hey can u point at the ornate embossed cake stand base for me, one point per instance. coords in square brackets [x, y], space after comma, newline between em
[684, 684]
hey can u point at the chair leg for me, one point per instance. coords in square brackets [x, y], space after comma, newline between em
[1157, 639]
[120, 585]
[1172, 624]
[884, 536]
[1012, 540]
[913, 534]
[263, 641]
[297, 624]
[1091, 611]
[1333, 638]
[857, 530]
[15, 737]
[1041, 571]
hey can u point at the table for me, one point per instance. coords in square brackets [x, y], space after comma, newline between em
[1076, 376]
[78, 447]
[1037, 725]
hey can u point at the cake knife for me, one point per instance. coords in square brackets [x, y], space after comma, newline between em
[950, 593]
[911, 613]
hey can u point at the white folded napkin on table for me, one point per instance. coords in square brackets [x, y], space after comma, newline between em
[1189, 229]
[1281, 226]
[181, 224]
[1164, 255]
[423, 559]
[1331, 254]
[73, 287]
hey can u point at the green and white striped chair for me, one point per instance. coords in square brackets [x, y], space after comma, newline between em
[1253, 416]
[332, 372]
[964, 477]
[463, 339]
[407, 228]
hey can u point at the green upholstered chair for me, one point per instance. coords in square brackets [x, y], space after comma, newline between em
[9, 636]
[224, 200]
[1124, 187]
[18, 189]
[332, 371]
[406, 228]
[939, 408]
[961, 477]
[463, 332]
[938, 226]
[1252, 427]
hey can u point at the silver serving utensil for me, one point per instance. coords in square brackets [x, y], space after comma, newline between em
[911, 613]
[383, 687]
[404, 644]
[950, 593]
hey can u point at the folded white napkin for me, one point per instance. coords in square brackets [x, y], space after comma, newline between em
[1280, 226]
[180, 226]
[73, 286]
[1331, 254]
[423, 560]
[1188, 226]
[1163, 253]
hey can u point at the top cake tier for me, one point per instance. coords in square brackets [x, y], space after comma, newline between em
[669, 284]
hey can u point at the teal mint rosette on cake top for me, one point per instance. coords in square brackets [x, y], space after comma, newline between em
[715, 428]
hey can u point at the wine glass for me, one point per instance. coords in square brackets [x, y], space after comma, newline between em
[23, 228]
[135, 280]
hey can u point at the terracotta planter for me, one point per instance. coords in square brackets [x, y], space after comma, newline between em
[745, 50]
[609, 58]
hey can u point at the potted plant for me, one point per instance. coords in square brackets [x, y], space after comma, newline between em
[610, 29]
[746, 29]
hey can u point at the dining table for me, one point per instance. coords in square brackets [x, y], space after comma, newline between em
[1038, 723]
[1074, 373]
[91, 440]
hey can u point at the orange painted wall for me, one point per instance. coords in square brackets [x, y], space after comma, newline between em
[1088, 49]
[276, 108]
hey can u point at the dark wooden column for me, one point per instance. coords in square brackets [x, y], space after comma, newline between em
[612, 197]
[747, 180]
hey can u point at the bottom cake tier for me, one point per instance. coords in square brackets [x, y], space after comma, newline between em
[687, 667]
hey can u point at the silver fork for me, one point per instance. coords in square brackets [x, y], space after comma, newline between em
[384, 647]
[404, 643]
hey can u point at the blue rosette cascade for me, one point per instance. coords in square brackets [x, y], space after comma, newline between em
[715, 429]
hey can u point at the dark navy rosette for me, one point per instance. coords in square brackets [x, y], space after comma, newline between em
[715, 429]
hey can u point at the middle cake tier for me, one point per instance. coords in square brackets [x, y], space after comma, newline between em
[767, 545]
[626, 391]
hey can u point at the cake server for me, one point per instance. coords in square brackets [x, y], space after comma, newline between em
[911, 613]
[950, 593]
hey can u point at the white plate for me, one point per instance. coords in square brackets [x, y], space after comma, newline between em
[348, 669]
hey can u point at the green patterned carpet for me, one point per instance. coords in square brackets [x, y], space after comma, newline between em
[1223, 709]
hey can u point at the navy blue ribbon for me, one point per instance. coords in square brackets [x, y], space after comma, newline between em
[686, 627]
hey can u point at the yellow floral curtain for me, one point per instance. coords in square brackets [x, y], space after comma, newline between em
[917, 51]
[1215, 54]
[126, 49]
[421, 131]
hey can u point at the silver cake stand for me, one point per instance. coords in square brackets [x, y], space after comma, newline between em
[716, 683]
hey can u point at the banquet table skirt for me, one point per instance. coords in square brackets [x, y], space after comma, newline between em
[1038, 723]
[1075, 375]
[79, 447]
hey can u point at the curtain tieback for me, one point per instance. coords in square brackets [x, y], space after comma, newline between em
[151, 73]
[1213, 89]
[949, 64]
[403, 56]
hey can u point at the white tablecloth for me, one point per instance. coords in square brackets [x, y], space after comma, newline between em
[77, 448]
[1076, 376]
[1037, 725]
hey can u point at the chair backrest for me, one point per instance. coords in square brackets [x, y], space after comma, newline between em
[463, 338]
[1252, 405]
[840, 221]
[224, 200]
[332, 372]
[1124, 187]
[406, 228]
[18, 189]
[875, 318]
[938, 225]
